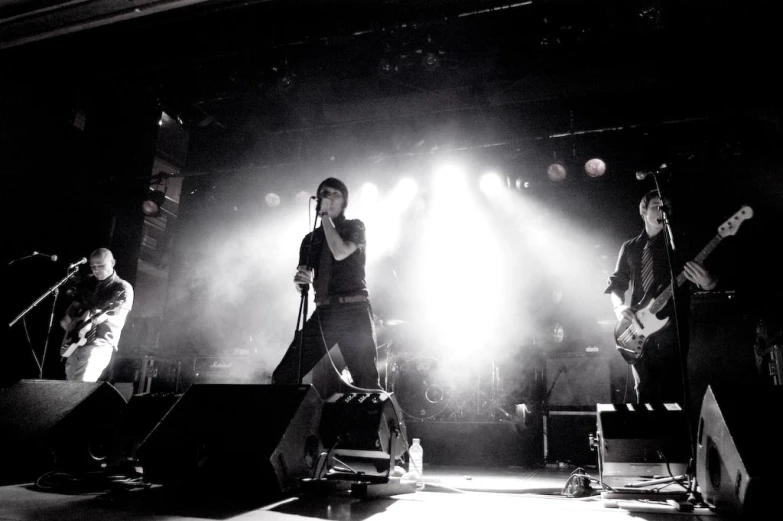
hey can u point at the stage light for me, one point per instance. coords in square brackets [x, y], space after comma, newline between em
[383, 216]
[388, 66]
[430, 60]
[151, 206]
[370, 192]
[302, 196]
[595, 167]
[153, 203]
[556, 172]
[558, 333]
[407, 188]
[491, 184]
[272, 199]
[463, 314]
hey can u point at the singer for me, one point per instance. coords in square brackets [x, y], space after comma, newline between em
[102, 300]
[332, 258]
[642, 264]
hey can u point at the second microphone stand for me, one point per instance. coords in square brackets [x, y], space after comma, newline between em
[670, 248]
[305, 293]
[55, 289]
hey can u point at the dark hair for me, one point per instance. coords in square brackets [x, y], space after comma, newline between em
[649, 196]
[333, 182]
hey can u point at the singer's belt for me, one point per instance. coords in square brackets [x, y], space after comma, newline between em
[341, 300]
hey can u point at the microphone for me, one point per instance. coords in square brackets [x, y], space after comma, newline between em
[79, 262]
[53, 258]
[317, 204]
[642, 174]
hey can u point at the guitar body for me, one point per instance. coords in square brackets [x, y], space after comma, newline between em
[82, 330]
[631, 335]
[77, 335]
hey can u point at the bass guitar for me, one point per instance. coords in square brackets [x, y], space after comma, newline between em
[82, 330]
[631, 335]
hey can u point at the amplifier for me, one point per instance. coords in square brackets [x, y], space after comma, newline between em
[222, 370]
[578, 379]
[642, 440]
[144, 374]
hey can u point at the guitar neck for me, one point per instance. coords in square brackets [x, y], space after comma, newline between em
[662, 299]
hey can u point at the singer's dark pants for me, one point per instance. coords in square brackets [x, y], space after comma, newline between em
[351, 326]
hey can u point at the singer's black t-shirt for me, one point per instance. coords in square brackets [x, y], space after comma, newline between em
[338, 278]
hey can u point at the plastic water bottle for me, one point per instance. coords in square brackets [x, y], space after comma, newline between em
[416, 453]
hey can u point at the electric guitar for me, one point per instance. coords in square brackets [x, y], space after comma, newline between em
[82, 330]
[631, 335]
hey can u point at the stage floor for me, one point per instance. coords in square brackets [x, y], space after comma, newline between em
[450, 493]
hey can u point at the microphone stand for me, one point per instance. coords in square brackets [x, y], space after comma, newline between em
[670, 248]
[55, 289]
[305, 292]
[20, 258]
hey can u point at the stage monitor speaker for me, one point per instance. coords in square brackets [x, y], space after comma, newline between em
[644, 440]
[737, 457]
[56, 424]
[364, 428]
[236, 439]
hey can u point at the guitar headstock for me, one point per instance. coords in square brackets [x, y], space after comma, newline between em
[731, 226]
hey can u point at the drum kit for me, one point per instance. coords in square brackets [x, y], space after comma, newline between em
[427, 388]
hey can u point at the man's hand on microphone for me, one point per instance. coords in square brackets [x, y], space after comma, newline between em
[303, 277]
[326, 205]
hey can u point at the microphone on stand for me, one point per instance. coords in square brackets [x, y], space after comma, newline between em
[53, 258]
[79, 262]
[642, 174]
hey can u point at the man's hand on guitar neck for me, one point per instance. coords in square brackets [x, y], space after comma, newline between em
[696, 273]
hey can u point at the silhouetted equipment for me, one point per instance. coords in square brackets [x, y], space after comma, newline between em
[578, 379]
[222, 370]
[642, 440]
[257, 439]
[58, 425]
[737, 455]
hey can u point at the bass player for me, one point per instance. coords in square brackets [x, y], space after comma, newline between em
[642, 264]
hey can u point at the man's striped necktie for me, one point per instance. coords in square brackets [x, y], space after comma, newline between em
[647, 266]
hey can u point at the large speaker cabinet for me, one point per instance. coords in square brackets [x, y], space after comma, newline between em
[48, 424]
[737, 448]
[236, 438]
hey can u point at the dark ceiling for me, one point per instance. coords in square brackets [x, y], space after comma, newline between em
[276, 82]
[322, 59]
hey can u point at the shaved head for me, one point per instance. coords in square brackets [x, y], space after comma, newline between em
[103, 253]
[102, 263]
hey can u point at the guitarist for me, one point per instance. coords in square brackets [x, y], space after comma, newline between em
[657, 373]
[104, 289]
